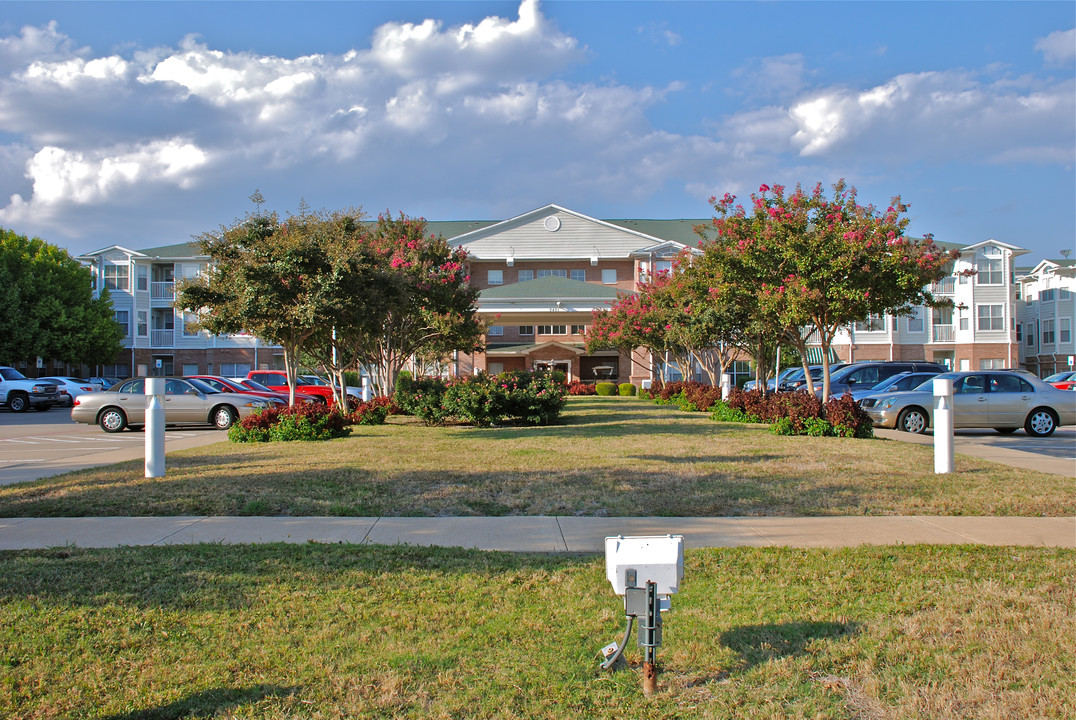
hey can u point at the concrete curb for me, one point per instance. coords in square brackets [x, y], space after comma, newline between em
[537, 534]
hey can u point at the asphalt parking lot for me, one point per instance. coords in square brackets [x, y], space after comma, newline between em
[39, 444]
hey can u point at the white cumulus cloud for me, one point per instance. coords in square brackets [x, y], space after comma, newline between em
[1058, 48]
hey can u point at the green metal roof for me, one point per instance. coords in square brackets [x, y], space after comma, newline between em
[550, 288]
[178, 250]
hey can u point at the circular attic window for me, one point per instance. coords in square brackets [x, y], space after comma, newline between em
[552, 223]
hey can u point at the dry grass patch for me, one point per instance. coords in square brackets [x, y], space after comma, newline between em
[612, 456]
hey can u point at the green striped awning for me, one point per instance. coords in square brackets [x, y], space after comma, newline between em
[814, 356]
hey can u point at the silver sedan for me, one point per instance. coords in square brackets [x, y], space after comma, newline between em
[1003, 400]
[186, 402]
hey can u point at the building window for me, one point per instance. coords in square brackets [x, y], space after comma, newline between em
[234, 370]
[662, 266]
[579, 329]
[553, 273]
[143, 323]
[116, 277]
[189, 320]
[991, 364]
[495, 368]
[1030, 335]
[1066, 330]
[964, 323]
[915, 321]
[552, 329]
[141, 277]
[580, 275]
[123, 319]
[874, 323]
[1046, 295]
[525, 275]
[1047, 332]
[495, 277]
[1064, 294]
[609, 276]
[991, 317]
[1019, 332]
[989, 272]
[526, 329]
[496, 330]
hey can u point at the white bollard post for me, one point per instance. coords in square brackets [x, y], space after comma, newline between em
[155, 427]
[726, 385]
[943, 426]
[365, 389]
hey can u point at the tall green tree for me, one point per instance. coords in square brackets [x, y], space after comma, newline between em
[47, 307]
[274, 279]
[818, 263]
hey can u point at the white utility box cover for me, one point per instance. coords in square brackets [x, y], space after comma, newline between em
[658, 559]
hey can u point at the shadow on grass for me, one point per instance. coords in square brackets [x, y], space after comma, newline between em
[212, 577]
[757, 644]
[693, 459]
[207, 703]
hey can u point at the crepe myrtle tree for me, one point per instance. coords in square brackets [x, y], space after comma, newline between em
[274, 279]
[432, 309]
[818, 263]
[636, 320]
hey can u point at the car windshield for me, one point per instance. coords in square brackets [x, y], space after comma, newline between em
[255, 386]
[312, 380]
[11, 374]
[1058, 377]
[202, 387]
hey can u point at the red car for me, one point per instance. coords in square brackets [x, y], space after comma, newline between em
[308, 384]
[1063, 380]
[224, 385]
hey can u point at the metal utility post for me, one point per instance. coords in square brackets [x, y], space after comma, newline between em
[943, 426]
[726, 385]
[155, 427]
[650, 638]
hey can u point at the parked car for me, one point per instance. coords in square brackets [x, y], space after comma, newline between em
[999, 399]
[71, 388]
[19, 393]
[308, 384]
[247, 385]
[861, 375]
[227, 385]
[1062, 380]
[901, 382]
[105, 382]
[186, 402]
[774, 383]
[798, 380]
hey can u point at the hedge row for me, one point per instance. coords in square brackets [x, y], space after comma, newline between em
[312, 421]
[795, 413]
[516, 397]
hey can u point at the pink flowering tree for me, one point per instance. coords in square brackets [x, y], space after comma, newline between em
[431, 309]
[635, 320]
[818, 263]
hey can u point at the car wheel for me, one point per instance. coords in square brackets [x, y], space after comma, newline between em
[223, 417]
[18, 402]
[913, 420]
[1006, 431]
[112, 420]
[1041, 422]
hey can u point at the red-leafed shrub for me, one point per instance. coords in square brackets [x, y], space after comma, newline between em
[372, 412]
[304, 421]
[848, 418]
[581, 388]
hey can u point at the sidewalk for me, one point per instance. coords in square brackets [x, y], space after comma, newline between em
[537, 534]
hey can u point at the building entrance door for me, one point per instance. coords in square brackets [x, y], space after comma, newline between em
[565, 366]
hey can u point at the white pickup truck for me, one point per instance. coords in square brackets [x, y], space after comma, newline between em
[19, 393]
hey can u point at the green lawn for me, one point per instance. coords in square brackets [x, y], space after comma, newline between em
[611, 457]
[336, 631]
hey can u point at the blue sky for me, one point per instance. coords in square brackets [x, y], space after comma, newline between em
[145, 123]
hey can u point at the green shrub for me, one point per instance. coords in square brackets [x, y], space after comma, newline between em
[783, 426]
[422, 397]
[606, 389]
[626, 390]
[818, 427]
[722, 412]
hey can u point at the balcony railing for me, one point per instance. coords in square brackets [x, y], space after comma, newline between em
[943, 333]
[162, 338]
[162, 291]
[945, 286]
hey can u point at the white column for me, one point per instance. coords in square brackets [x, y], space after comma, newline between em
[943, 426]
[155, 427]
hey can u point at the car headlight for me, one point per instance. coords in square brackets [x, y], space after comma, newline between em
[257, 404]
[888, 402]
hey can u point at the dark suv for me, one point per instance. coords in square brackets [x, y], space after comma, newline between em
[868, 374]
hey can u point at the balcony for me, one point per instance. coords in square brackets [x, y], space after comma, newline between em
[162, 338]
[943, 334]
[162, 291]
[945, 286]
